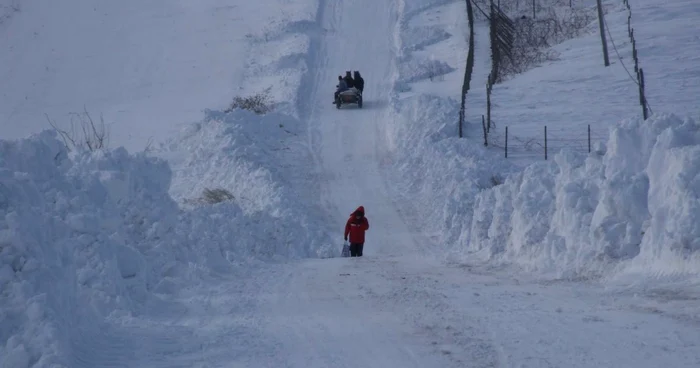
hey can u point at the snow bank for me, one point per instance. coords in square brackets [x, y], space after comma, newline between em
[440, 174]
[264, 163]
[75, 235]
[436, 174]
[633, 206]
[86, 238]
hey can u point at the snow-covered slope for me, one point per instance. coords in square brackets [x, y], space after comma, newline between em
[148, 69]
[629, 205]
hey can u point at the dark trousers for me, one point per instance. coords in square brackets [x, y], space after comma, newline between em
[337, 92]
[356, 249]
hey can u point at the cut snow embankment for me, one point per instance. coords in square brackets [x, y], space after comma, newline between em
[88, 238]
[439, 175]
[263, 162]
[633, 205]
[630, 206]
[78, 233]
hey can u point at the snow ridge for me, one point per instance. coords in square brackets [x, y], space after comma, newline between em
[630, 205]
[256, 158]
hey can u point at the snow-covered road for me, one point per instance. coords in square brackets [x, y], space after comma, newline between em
[409, 311]
[348, 142]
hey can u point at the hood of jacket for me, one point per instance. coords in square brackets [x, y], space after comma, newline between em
[360, 209]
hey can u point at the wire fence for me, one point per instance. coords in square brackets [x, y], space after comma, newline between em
[550, 140]
[638, 70]
[547, 142]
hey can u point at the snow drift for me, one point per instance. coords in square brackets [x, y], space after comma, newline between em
[87, 237]
[633, 204]
[259, 160]
[76, 231]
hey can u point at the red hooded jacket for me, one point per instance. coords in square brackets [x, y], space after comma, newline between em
[356, 228]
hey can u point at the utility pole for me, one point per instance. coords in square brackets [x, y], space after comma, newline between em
[601, 22]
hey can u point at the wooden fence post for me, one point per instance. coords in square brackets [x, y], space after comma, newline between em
[545, 142]
[601, 23]
[589, 138]
[642, 96]
[468, 71]
[488, 104]
[506, 142]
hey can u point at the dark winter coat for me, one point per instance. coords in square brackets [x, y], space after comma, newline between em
[359, 81]
[348, 79]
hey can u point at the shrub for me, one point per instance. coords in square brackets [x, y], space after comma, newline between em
[211, 196]
[84, 133]
[260, 103]
[218, 195]
[533, 37]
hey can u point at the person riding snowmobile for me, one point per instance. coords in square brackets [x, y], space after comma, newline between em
[359, 82]
[342, 86]
[349, 80]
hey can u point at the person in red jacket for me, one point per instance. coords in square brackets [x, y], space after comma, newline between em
[355, 227]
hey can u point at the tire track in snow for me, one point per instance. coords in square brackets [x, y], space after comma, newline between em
[347, 143]
[324, 314]
[348, 314]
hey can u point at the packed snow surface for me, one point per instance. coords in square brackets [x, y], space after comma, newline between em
[114, 258]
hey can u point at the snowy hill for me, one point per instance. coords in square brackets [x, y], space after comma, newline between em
[116, 258]
[576, 215]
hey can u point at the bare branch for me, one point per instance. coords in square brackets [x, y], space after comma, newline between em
[84, 132]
